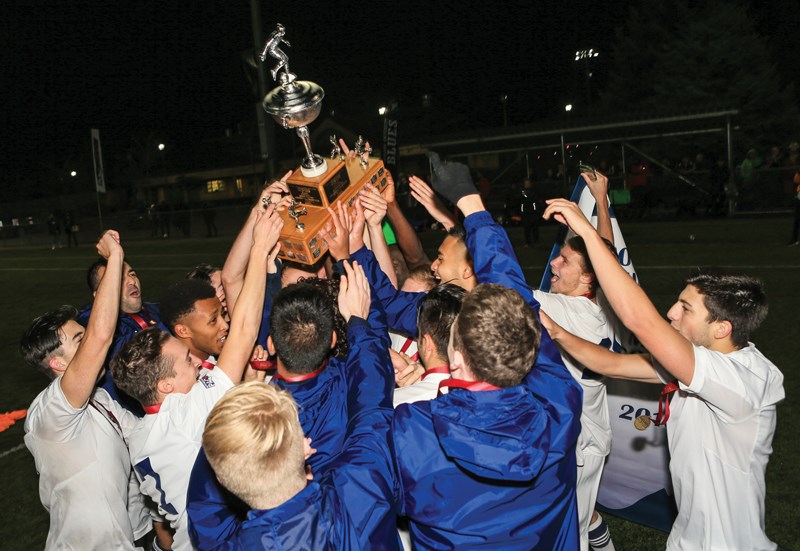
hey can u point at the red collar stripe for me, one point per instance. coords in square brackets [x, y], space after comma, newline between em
[300, 378]
[444, 369]
[152, 409]
[473, 386]
[208, 365]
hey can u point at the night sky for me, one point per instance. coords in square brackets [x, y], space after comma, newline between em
[175, 68]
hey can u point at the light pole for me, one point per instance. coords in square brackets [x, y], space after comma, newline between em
[161, 148]
[586, 56]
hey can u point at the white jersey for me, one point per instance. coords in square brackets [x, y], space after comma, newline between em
[84, 469]
[720, 436]
[426, 389]
[582, 317]
[165, 445]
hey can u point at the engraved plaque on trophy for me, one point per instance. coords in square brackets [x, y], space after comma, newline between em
[319, 183]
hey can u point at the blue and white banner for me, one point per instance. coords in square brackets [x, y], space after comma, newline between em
[636, 484]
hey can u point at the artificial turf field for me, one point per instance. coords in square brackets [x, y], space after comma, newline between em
[36, 279]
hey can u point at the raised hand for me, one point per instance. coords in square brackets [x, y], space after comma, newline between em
[109, 243]
[452, 180]
[597, 182]
[423, 193]
[354, 292]
[357, 231]
[275, 193]
[568, 213]
[267, 230]
[337, 232]
[374, 204]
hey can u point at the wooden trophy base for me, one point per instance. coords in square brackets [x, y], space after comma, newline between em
[339, 184]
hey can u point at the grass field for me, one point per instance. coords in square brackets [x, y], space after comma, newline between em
[36, 279]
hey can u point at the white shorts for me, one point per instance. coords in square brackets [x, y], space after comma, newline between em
[586, 491]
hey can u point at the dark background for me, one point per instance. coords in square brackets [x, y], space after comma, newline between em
[176, 68]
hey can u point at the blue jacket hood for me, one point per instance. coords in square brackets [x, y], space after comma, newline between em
[497, 434]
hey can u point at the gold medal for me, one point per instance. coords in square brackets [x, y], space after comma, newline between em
[642, 422]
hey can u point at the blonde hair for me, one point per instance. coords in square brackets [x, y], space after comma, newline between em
[254, 443]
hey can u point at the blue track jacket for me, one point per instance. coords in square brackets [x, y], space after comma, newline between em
[331, 412]
[492, 469]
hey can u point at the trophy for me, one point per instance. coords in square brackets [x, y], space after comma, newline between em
[319, 183]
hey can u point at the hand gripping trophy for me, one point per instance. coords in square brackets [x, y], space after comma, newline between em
[296, 104]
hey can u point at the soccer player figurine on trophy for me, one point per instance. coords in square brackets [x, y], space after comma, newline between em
[296, 104]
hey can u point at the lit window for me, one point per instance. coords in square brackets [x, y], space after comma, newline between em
[214, 186]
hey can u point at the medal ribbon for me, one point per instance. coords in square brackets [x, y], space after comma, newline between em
[406, 345]
[472, 386]
[438, 369]
[663, 402]
[140, 320]
[300, 378]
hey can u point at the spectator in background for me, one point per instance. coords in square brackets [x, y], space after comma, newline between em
[793, 242]
[685, 165]
[70, 230]
[164, 218]
[793, 157]
[747, 170]
[54, 231]
[717, 179]
[209, 215]
[484, 185]
[775, 157]
[511, 203]
[530, 207]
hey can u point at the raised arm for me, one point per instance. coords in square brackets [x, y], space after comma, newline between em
[373, 205]
[236, 264]
[632, 306]
[80, 376]
[493, 256]
[364, 472]
[404, 232]
[598, 186]
[246, 317]
[345, 241]
[634, 367]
